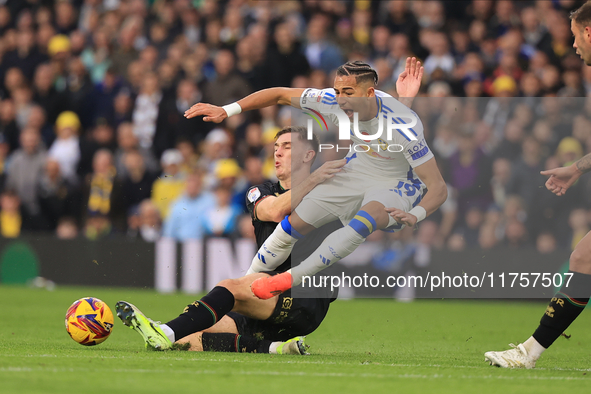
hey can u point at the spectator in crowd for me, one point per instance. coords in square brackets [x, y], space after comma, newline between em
[185, 219]
[135, 67]
[470, 174]
[145, 112]
[66, 228]
[284, 54]
[128, 142]
[4, 151]
[137, 184]
[190, 156]
[501, 176]
[253, 175]
[124, 52]
[227, 86]
[227, 172]
[102, 200]
[26, 57]
[579, 224]
[66, 148]
[10, 215]
[25, 171]
[96, 57]
[100, 137]
[79, 89]
[110, 100]
[440, 57]
[220, 219]
[170, 184]
[546, 242]
[58, 195]
[171, 125]
[525, 171]
[320, 52]
[150, 223]
[8, 126]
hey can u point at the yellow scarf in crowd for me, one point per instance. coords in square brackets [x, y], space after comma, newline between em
[101, 187]
[10, 224]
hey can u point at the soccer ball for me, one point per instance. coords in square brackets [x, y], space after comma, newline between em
[89, 321]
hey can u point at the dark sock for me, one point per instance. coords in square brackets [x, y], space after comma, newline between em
[226, 342]
[203, 313]
[564, 308]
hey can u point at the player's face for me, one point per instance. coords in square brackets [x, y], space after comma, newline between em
[350, 96]
[283, 156]
[582, 42]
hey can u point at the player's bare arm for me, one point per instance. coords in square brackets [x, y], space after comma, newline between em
[257, 100]
[409, 81]
[564, 177]
[274, 209]
[436, 195]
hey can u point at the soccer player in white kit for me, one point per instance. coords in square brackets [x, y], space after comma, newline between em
[377, 189]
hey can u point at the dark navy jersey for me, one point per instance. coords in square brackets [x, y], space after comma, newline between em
[262, 230]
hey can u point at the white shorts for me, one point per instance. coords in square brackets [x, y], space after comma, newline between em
[343, 196]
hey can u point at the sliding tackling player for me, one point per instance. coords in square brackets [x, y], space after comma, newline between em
[254, 325]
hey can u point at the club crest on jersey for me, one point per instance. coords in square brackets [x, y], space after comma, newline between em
[253, 194]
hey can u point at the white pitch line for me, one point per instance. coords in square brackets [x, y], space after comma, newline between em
[291, 374]
[293, 360]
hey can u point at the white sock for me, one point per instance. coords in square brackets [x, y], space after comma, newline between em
[274, 251]
[533, 347]
[273, 347]
[168, 332]
[336, 246]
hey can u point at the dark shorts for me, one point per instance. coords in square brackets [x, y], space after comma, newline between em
[292, 317]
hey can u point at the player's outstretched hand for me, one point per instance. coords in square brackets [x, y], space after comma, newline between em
[210, 113]
[328, 170]
[561, 178]
[402, 217]
[409, 81]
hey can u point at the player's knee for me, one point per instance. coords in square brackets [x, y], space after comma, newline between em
[239, 288]
[579, 260]
[233, 285]
[296, 223]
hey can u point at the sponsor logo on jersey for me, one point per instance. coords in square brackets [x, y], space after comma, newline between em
[419, 150]
[253, 194]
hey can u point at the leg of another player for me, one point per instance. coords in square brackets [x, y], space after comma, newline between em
[344, 241]
[336, 246]
[225, 325]
[278, 246]
[224, 337]
[228, 295]
[564, 308]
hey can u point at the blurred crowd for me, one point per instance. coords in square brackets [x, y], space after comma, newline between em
[93, 141]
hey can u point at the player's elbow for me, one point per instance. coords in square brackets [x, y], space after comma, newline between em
[272, 215]
[278, 216]
[442, 192]
[439, 190]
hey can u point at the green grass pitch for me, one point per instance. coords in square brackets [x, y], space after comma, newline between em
[365, 346]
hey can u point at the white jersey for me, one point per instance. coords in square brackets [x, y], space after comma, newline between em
[366, 157]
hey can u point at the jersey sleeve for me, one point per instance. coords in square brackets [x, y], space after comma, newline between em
[415, 146]
[256, 194]
[318, 99]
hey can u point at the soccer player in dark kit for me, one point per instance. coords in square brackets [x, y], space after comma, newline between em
[571, 299]
[230, 318]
